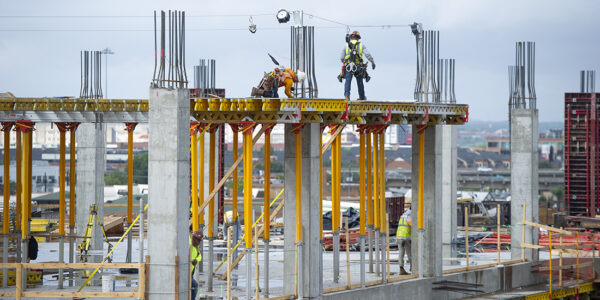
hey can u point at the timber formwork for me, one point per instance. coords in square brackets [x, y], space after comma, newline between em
[582, 156]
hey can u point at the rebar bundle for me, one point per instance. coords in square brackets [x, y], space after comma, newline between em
[303, 59]
[521, 77]
[428, 51]
[205, 75]
[169, 69]
[91, 75]
[587, 81]
[445, 80]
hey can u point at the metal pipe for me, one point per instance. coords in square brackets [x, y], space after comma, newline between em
[209, 280]
[376, 204]
[141, 233]
[19, 179]
[248, 270]
[267, 207]
[5, 205]
[61, 201]
[336, 256]
[201, 195]
[362, 206]
[247, 152]
[369, 200]
[72, 164]
[420, 214]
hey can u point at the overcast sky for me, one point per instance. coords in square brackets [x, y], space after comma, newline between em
[39, 56]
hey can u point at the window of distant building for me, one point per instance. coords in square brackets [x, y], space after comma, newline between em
[492, 144]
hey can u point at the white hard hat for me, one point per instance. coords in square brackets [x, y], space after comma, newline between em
[301, 76]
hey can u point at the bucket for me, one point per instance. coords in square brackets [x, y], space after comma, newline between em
[108, 283]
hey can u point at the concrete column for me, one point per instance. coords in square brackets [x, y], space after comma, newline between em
[168, 195]
[311, 250]
[524, 179]
[432, 202]
[90, 181]
[449, 182]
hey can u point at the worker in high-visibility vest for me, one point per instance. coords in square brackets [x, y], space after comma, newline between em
[403, 235]
[195, 258]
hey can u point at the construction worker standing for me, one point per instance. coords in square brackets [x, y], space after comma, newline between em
[195, 258]
[403, 235]
[354, 65]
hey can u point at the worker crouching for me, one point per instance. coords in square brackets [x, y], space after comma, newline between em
[279, 77]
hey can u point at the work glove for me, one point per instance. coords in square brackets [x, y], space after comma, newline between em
[373, 66]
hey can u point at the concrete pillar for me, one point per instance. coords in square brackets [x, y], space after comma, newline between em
[524, 179]
[449, 183]
[432, 202]
[168, 195]
[90, 181]
[311, 250]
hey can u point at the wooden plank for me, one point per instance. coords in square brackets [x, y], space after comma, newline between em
[490, 265]
[563, 246]
[402, 277]
[49, 294]
[566, 267]
[8, 294]
[18, 283]
[549, 228]
[229, 172]
[284, 297]
[262, 229]
[531, 246]
[142, 282]
[176, 277]
[53, 265]
[337, 131]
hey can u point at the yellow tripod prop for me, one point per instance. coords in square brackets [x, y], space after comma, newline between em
[84, 247]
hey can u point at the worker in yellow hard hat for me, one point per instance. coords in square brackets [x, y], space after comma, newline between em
[195, 258]
[354, 65]
[403, 236]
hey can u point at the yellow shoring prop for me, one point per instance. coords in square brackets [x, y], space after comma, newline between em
[254, 224]
[258, 219]
[111, 251]
[194, 170]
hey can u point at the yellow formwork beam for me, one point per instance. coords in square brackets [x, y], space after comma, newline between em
[376, 188]
[201, 175]
[369, 168]
[194, 170]
[61, 180]
[234, 188]
[19, 170]
[72, 164]
[382, 181]
[247, 153]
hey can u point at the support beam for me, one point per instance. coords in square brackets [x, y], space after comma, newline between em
[6, 127]
[90, 183]
[266, 206]
[19, 164]
[248, 219]
[370, 222]
[310, 249]
[72, 174]
[429, 196]
[62, 128]
[362, 209]
[168, 201]
[130, 127]
[449, 183]
[524, 183]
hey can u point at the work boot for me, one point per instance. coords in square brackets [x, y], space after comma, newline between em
[402, 271]
[367, 78]
[347, 98]
[340, 78]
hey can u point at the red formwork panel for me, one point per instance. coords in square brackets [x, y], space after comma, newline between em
[582, 156]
